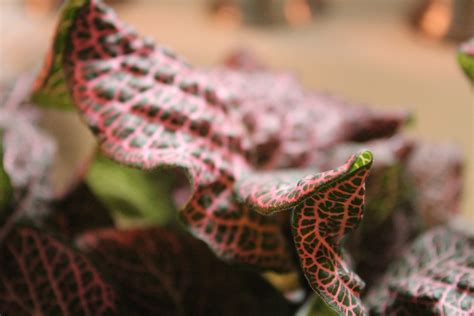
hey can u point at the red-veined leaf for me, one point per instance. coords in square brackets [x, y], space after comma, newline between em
[150, 109]
[162, 271]
[42, 276]
[390, 221]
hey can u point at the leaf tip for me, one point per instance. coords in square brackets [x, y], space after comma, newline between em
[363, 159]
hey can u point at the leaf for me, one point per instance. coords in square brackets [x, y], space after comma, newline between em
[130, 193]
[390, 220]
[150, 109]
[77, 212]
[435, 276]
[465, 57]
[161, 271]
[325, 207]
[42, 276]
[50, 89]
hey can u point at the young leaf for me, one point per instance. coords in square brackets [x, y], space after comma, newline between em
[465, 58]
[161, 271]
[130, 193]
[150, 109]
[435, 276]
[325, 207]
[42, 276]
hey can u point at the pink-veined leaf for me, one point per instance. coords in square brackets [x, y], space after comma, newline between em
[162, 271]
[325, 207]
[42, 276]
[150, 109]
[435, 276]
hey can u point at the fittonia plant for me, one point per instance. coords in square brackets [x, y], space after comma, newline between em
[234, 141]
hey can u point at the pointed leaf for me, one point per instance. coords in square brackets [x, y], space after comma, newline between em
[435, 276]
[325, 207]
[162, 271]
[42, 276]
[390, 221]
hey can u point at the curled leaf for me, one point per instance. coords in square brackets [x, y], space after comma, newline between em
[390, 221]
[42, 276]
[325, 207]
[150, 109]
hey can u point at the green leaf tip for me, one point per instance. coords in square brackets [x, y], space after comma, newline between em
[465, 57]
[363, 159]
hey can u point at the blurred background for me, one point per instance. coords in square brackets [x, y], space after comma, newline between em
[388, 54]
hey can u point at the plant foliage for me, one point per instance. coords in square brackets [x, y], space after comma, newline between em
[270, 185]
